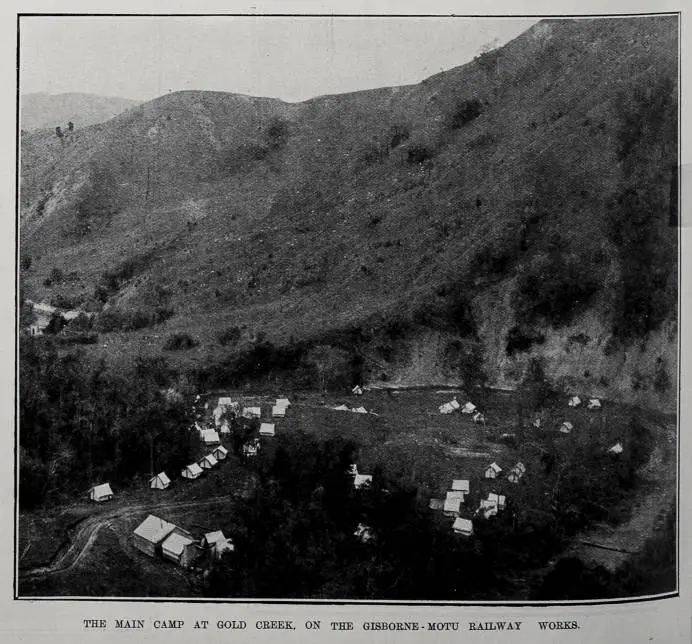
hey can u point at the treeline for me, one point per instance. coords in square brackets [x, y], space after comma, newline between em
[81, 424]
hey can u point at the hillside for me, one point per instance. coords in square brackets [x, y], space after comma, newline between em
[512, 211]
[46, 111]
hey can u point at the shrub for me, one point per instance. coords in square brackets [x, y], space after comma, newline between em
[466, 111]
[179, 342]
[397, 134]
[56, 276]
[418, 153]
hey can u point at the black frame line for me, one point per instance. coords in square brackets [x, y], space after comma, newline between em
[353, 602]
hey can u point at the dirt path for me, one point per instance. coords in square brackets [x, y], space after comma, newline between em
[85, 533]
[658, 489]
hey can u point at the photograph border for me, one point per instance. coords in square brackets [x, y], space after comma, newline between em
[347, 602]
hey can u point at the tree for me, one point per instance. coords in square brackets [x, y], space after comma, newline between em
[58, 132]
[70, 126]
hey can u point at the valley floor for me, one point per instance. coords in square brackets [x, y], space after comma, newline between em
[87, 550]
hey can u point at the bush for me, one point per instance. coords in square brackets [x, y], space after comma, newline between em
[56, 276]
[179, 342]
[418, 153]
[466, 111]
[397, 134]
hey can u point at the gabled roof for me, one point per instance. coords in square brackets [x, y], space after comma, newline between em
[616, 449]
[194, 468]
[209, 459]
[455, 494]
[469, 407]
[282, 402]
[225, 400]
[452, 505]
[210, 436]
[213, 537]
[460, 484]
[256, 411]
[154, 529]
[463, 525]
[162, 477]
[496, 498]
[359, 410]
[102, 490]
[267, 429]
[176, 543]
[495, 467]
[520, 467]
[362, 479]
[221, 449]
[436, 504]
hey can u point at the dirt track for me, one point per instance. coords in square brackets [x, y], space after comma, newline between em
[84, 534]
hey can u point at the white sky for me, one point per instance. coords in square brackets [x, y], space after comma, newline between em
[289, 58]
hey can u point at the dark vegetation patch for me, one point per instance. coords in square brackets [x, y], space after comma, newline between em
[131, 319]
[179, 342]
[465, 111]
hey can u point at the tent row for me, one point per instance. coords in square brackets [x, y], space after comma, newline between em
[208, 462]
[355, 410]
[576, 401]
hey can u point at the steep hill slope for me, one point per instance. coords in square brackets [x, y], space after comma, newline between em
[41, 110]
[517, 208]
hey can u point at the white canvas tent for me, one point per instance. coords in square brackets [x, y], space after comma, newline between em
[488, 508]
[220, 453]
[616, 449]
[341, 408]
[468, 408]
[537, 422]
[436, 504]
[499, 499]
[278, 411]
[208, 462]
[451, 506]
[460, 485]
[449, 407]
[594, 403]
[361, 480]
[252, 412]
[463, 527]
[266, 429]
[574, 401]
[359, 410]
[210, 437]
[149, 534]
[100, 493]
[357, 390]
[478, 418]
[225, 401]
[566, 427]
[225, 428]
[192, 472]
[282, 402]
[159, 482]
[492, 471]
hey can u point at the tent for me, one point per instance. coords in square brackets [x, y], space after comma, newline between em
[436, 504]
[492, 471]
[208, 462]
[224, 401]
[278, 411]
[566, 427]
[463, 527]
[266, 429]
[225, 428]
[252, 412]
[449, 407]
[361, 480]
[359, 410]
[364, 533]
[210, 437]
[468, 408]
[282, 402]
[478, 418]
[357, 390]
[149, 534]
[100, 493]
[180, 548]
[451, 506]
[537, 422]
[499, 499]
[460, 485]
[217, 544]
[159, 482]
[191, 472]
[341, 408]
[594, 403]
[220, 453]
[520, 467]
[574, 401]
[616, 449]
[488, 508]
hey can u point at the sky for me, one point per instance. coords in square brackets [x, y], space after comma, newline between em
[288, 58]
